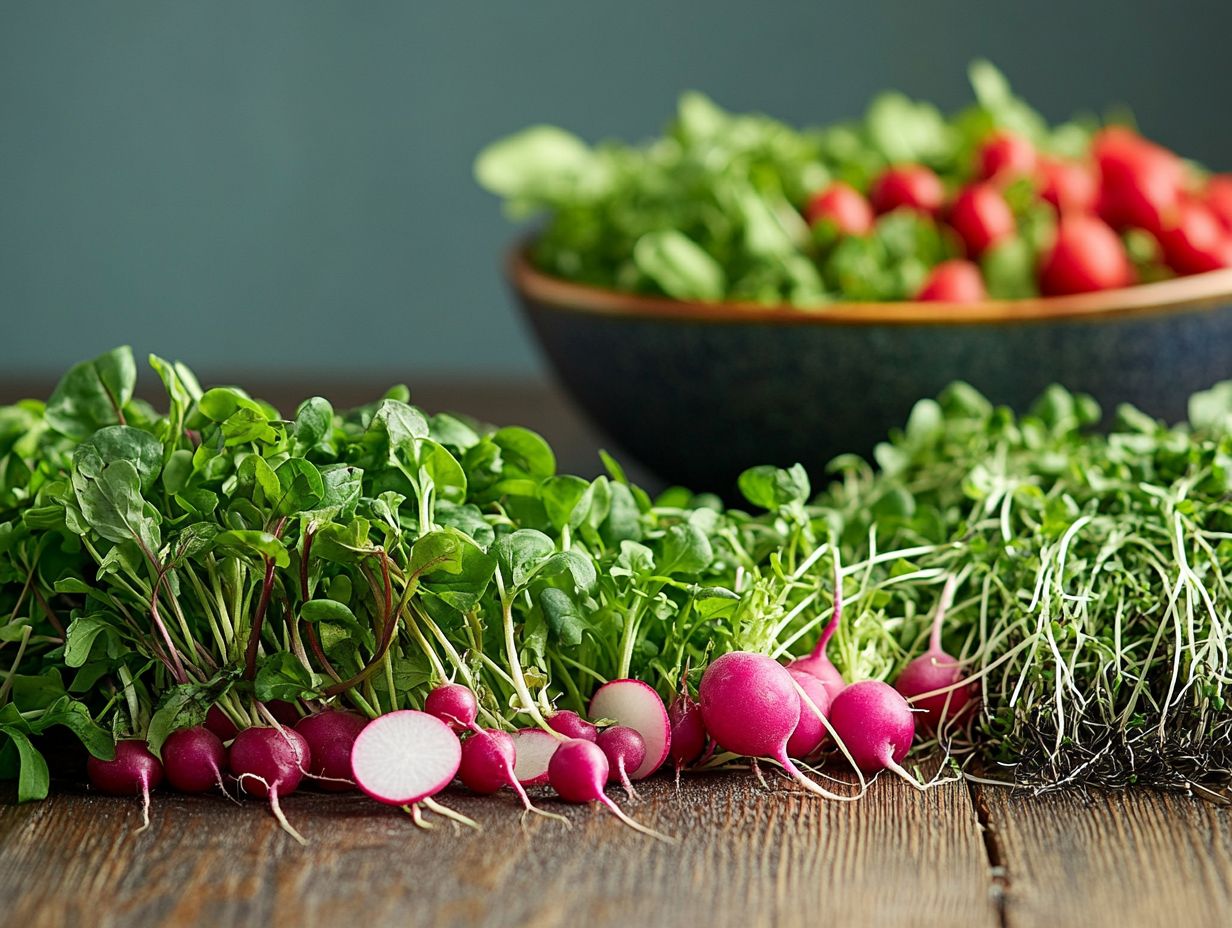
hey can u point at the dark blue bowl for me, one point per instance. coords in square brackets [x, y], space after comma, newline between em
[700, 391]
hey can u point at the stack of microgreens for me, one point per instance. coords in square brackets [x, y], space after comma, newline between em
[156, 564]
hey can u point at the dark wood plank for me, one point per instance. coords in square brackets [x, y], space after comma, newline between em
[747, 858]
[1113, 859]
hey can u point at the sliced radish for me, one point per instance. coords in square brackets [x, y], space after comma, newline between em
[534, 749]
[405, 756]
[637, 705]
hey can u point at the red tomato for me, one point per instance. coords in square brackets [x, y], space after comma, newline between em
[1219, 198]
[842, 205]
[981, 217]
[1194, 240]
[1087, 255]
[1006, 157]
[910, 185]
[1067, 185]
[1140, 182]
[955, 281]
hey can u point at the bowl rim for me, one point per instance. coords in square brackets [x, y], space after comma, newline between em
[1197, 291]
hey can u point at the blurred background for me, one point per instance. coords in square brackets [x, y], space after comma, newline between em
[284, 188]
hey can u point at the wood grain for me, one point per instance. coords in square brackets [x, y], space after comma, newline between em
[1112, 859]
[746, 858]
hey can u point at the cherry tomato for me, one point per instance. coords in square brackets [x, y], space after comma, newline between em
[1006, 157]
[955, 281]
[1194, 240]
[912, 186]
[842, 205]
[1067, 185]
[1087, 255]
[982, 218]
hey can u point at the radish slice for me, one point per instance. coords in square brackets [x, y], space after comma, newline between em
[405, 756]
[633, 703]
[534, 748]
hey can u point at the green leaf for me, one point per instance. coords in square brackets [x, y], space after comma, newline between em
[526, 451]
[253, 542]
[314, 420]
[679, 266]
[183, 706]
[282, 676]
[81, 636]
[564, 619]
[221, 403]
[579, 568]
[301, 487]
[684, 550]
[341, 486]
[773, 488]
[111, 502]
[562, 497]
[519, 554]
[93, 394]
[121, 443]
[67, 712]
[538, 164]
[34, 779]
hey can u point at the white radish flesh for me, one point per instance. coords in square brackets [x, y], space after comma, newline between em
[636, 705]
[533, 748]
[404, 757]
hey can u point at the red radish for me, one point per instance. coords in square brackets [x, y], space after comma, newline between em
[134, 771]
[1087, 255]
[910, 186]
[953, 281]
[810, 731]
[534, 748]
[268, 763]
[489, 759]
[1218, 197]
[286, 713]
[194, 760]
[625, 750]
[637, 705]
[404, 757]
[751, 707]
[936, 670]
[220, 724]
[331, 736]
[1194, 240]
[1140, 182]
[982, 218]
[817, 663]
[572, 725]
[876, 725]
[842, 205]
[455, 705]
[1006, 157]
[579, 771]
[688, 738]
[1067, 185]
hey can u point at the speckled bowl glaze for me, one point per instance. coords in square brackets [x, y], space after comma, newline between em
[698, 392]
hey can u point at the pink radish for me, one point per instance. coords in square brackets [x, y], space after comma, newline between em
[572, 725]
[194, 760]
[625, 750]
[269, 763]
[688, 738]
[810, 731]
[933, 681]
[751, 707]
[637, 705]
[134, 771]
[876, 725]
[579, 771]
[331, 735]
[534, 748]
[220, 724]
[488, 761]
[404, 757]
[817, 663]
[455, 705]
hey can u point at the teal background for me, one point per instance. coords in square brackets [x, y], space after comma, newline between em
[285, 187]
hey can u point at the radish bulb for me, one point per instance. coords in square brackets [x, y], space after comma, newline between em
[134, 771]
[635, 704]
[489, 759]
[579, 771]
[933, 682]
[572, 725]
[625, 750]
[455, 705]
[688, 737]
[876, 725]
[268, 763]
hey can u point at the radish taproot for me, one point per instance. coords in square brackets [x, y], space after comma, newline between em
[637, 705]
[933, 682]
[330, 735]
[572, 725]
[455, 705]
[875, 725]
[404, 757]
[269, 763]
[134, 771]
[579, 771]
[194, 760]
[625, 750]
[534, 748]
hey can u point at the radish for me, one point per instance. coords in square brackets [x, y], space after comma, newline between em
[404, 757]
[134, 771]
[910, 186]
[817, 663]
[843, 206]
[932, 682]
[455, 705]
[1194, 240]
[285, 713]
[1140, 182]
[194, 760]
[751, 706]
[489, 759]
[876, 726]
[579, 771]
[331, 736]
[810, 731]
[982, 218]
[572, 725]
[1087, 255]
[1070, 186]
[637, 705]
[625, 750]
[220, 724]
[268, 763]
[534, 748]
[688, 737]
[954, 281]
[1006, 156]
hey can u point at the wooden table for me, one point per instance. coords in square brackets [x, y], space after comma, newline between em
[957, 855]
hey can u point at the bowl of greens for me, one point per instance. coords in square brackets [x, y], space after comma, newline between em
[740, 290]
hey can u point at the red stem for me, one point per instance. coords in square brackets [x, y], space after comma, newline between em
[832, 626]
[388, 626]
[258, 618]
